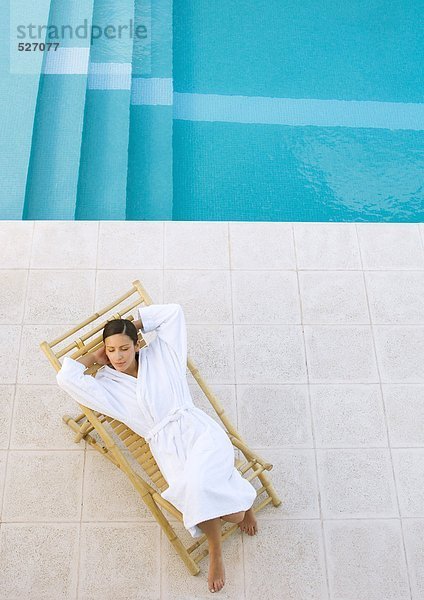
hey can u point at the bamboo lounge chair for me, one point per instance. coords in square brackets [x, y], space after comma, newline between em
[80, 340]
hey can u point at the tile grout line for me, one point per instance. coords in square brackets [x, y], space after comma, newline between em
[385, 419]
[421, 235]
[243, 557]
[162, 537]
[163, 259]
[298, 325]
[269, 383]
[321, 520]
[407, 269]
[261, 448]
[85, 443]
[263, 517]
[12, 418]
[232, 320]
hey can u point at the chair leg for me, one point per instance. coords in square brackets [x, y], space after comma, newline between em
[276, 500]
[191, 565]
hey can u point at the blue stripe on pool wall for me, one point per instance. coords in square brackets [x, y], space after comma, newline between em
[278, 111]
[67, 61]
[298, 112]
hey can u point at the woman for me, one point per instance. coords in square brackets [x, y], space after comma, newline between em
[147, 390]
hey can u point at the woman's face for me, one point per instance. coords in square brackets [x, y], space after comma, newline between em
[120, 350]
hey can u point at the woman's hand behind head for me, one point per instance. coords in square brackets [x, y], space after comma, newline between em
[100, 356]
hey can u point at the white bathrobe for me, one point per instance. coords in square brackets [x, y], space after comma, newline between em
[192, 450]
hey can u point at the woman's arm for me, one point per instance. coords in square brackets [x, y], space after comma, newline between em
[98, 357]
[86, 389]
[138, 324]
[168, 321]
[87, 360]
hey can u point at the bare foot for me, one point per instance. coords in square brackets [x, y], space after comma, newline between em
[216, 576]
[249, 524]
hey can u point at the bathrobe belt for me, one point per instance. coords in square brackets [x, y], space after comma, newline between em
[172, 416]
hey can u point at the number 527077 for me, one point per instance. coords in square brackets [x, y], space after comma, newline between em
[41, 46]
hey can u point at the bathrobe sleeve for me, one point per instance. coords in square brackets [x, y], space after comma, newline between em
[169, 323]
[86, 390]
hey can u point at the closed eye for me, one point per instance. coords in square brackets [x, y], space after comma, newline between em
[112, 349]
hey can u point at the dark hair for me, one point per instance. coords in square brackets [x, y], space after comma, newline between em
[120, 326]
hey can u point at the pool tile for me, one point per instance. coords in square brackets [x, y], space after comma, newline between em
[400, 352]
[326, 246]
[366, 560]
[40, 486]
[10, 338]
[59, 296]
[286, 560]
[262, 245]
[108, 493]
[269, 354]
[12, 295]
[130, 245]
[38, 423]
[132, 565]
[275, 415]
[405, 414]
[340, 354]
[7, 393]
[348, 416]
[333, 297]
[265, 297]
[212, 349]
[196, 245]
[413, 531]
[390, 246]
[111, 283]
[204, 294]
[64, 245]
[408, 464]
[15, 235]
[34, 367]
[294, 478]
[396, 296]
[49, 554]
[3, 461]
[356, 483]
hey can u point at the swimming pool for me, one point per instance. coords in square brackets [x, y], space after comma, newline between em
[256, 111]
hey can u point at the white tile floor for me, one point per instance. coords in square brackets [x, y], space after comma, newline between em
[312, 336]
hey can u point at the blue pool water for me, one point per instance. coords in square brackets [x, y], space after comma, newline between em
[260, 111]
